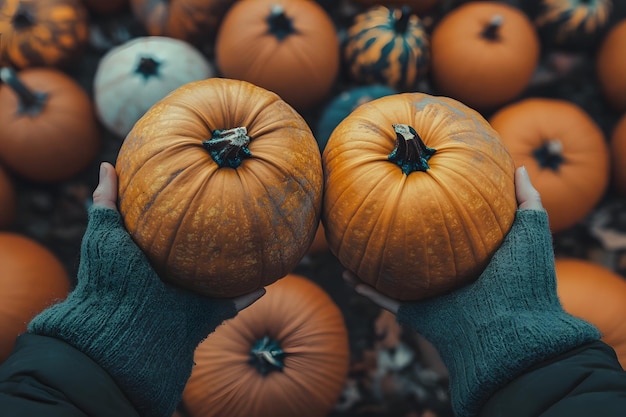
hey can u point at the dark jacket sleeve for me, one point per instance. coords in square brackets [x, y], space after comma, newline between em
[45, 376]
[587, 381]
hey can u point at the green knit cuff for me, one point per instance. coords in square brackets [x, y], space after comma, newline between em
[142, 331]
[506, 321]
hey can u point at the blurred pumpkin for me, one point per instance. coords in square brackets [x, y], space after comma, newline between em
[49, 129]
[570, 24]
[290, 47]
[285, 355]
[8, 199]
[193, 21]
[389, 46]
[564, 151]
[596, 294]
[106, 7]
[419, 194]
[133, 76]
[611, 67]
[36, 33]
[617, 152]
[220, 183]
[31, 279]
[342, 105]
[417, 6]
[484, 54]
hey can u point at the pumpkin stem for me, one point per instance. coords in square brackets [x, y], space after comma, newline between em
[23, 18]
[147, 67]
[280, 24]
[229, 147]
[410, 153]
[550, 155]
[492, 30]
[403, 17]
[266, 356]
[30, 102]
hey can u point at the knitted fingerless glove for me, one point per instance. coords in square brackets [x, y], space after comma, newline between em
[492, 330]
[142, 331]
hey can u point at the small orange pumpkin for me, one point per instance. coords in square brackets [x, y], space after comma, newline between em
[8, 199]
[31, 279]
[617, 147]
[285, 355]
[49, 128]
[484, 53]
[39, 33]
[611, 66]
[597, 294]
[564, 151]
[418, 195]
[220, 183]
[193, 21]
[290, 47]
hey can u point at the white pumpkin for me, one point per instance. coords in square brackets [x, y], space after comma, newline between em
[132, 77]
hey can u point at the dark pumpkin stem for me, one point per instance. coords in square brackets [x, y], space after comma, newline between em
[280, 24]
[492, 30]
[550, 155]
[30, 102]
[229, 147]
[148, 67]
[410, 153]
[403, 17]
[266, 356]
[23, 18]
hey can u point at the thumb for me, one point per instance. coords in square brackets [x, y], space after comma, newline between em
[528, 198]
[105, 194]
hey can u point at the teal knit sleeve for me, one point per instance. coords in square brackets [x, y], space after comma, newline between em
[142, 331]
[509, 319]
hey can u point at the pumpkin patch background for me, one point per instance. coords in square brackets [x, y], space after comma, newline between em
[392, 372]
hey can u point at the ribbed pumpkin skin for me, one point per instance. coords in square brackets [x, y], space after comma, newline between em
[389, 46]
[8, 199]
[299, 66]
[611, 66]
[123, 93]
[417, 235]
[31, 279]
[476, 69]
[571, 24]
[310, 330]
[596, 294]
[72, 136]
[56, 36]
[221, 231]
[571, 188]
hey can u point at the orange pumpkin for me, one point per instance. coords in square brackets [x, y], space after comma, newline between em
[8, 199]
[49, 128]
[39, 33]
[31, 279]
[220, 183]
[611, 66]
[419, 194]
[285, 355]
[617, 147]
[597, 294]
[484, 54]
[193, 21]
[290, 47]
[564, 151]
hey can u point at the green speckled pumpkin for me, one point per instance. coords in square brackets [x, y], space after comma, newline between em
[389, 46]
[571, 24]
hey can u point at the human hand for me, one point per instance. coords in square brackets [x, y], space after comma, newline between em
[509, 319]
[141, 330]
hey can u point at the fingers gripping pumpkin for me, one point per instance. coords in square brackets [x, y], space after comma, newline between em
[419, 194]
[220, 183]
